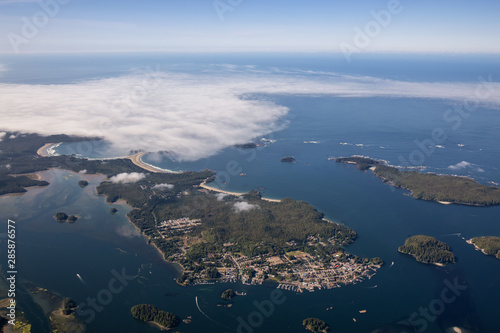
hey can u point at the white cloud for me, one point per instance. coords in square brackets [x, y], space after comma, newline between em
[191, 116]
[243, 206]
[460, 165]
[465, 165]
[163, 187]
[2, 135]
[126, 178]
[221, 196]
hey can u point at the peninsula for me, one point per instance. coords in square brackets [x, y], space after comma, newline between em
[489, 245]
[214, 236]
[430, 186]
[428, 250]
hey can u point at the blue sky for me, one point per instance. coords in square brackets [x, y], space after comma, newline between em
[244, 25]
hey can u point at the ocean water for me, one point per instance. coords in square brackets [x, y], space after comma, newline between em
[318, 127]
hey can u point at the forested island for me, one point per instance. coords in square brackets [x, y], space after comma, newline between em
[83, 183]
[215, 236]
[248, 145]
[489, 245]
[228, 294]
[428, 250]
[288, 159]
[315, 325]
[63, 217]
[151, 314]
[430, 186]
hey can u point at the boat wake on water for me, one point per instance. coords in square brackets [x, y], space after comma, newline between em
[203, 313]
[81, 279]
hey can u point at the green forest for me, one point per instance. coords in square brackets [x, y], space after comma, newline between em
[19, 156]
[148, 313]
[361, 162]
[430, 186]
[228, 294]
[243, 226]
[315, 325]
[490, 245]
[428, 250]
[266, 229]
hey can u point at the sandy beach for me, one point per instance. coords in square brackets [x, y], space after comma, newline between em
[137, 160]
[43, 151]
[207, 187]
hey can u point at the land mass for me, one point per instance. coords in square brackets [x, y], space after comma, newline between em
[288, 159]
[151, 314]
[315, 325]
[489, 245]
[214, 236]
[430, 186]
[428, 250]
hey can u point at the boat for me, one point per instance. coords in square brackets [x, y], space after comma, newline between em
[362, 311]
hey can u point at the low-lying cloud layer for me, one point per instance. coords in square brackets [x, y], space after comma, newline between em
[243, 206]
[126, 178]
[465, 165]
[194, 116]
[163, 187]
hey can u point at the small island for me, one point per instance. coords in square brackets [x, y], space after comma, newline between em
[151, 314]
[430, 186]
[315, 325]
[288, 159]
[113, 210]
[489, 245]
[428, 250]
[63, 217]
[228, 294]
[83, 183]
[361, 162]
[248, 145]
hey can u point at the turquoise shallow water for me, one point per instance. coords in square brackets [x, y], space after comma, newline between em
[51, 254]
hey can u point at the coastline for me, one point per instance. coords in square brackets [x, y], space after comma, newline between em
[385, 180]
[423, 262]
[374, 163]
[47, 150]
[469, 241]
[137, 160]
[180, 269]
[237, 194]
[124, 202]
